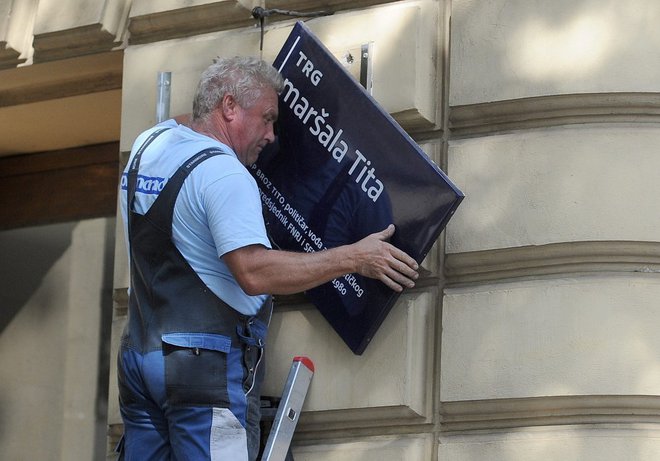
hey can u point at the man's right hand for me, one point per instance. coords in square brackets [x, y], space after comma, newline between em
[376, 258]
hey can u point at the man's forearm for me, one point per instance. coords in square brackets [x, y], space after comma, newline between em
[284, 272]
[259, 270]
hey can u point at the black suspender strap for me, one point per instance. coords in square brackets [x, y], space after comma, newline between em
[132, 180]
[160, 213]
[135, 165]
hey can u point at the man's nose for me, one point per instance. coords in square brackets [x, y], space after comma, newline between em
[270, 134]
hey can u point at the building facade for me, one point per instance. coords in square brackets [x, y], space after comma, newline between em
[532, 334]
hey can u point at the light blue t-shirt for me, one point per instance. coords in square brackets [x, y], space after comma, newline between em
[218, 208]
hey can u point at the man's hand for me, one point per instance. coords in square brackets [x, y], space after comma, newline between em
[376, 258]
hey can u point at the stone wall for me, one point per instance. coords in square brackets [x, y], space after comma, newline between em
[547, 348]
[376, 401]
[531, 335]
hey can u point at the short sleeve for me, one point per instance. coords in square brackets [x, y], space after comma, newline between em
[233, 210]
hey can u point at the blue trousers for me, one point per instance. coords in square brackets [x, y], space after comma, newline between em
[157, 429]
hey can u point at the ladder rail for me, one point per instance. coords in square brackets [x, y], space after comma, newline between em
[288, 410]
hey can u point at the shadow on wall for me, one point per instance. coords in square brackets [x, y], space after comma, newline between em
[49, 275]
[27, 255]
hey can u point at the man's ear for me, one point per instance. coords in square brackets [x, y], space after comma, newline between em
[229, 106]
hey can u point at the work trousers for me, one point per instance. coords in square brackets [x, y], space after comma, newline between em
[159, 427]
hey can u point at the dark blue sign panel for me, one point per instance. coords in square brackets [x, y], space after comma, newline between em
[340, 170]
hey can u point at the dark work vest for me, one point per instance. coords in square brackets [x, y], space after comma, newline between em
[167, 295]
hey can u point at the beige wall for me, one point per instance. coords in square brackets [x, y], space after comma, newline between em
[540, 340]
[391, 386]
[533, 336]
[55, 283]
[548, 344]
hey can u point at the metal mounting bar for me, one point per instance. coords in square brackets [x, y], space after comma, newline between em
[163, 97]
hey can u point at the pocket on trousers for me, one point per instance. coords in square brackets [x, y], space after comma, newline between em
[196, 368]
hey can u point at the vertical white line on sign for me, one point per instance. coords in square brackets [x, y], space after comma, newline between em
[289, 54]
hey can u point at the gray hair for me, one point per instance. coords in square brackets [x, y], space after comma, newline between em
[243, 77]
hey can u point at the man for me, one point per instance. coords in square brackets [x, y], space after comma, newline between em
[202, 273]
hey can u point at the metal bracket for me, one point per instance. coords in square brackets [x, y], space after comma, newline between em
[163, 97]
[358, 62]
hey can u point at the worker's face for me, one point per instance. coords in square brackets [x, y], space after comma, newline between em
[254, 127]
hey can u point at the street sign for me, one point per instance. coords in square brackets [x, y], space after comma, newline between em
[341, 169]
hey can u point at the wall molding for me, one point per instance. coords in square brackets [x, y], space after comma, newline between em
[517, 114]
[555, 258]
[54, 80]
[69, 43]
[9, 57]
[312, 423]
[153, 26]
[156, 26]
[549, 411]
